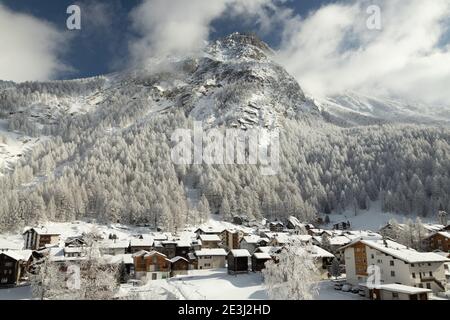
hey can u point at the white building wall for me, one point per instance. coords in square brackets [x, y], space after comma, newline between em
[211, 262]
[402, 272]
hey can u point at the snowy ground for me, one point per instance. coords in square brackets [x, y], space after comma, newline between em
[13, 145]
[372, 219]
[18, 293]
[219, 285]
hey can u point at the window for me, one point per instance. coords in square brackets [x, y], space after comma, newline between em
[392, 273]
[412, 265]
[8, 264]
[4, 280]
[431, 273]
[394, 295]
[429, 264]
[372, 256]
[391, 263]
[428, 285]
[414, 275]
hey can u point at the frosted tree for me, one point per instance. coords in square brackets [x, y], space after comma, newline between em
[335, 268]
[293, 276]
[47, 280]
[325, 243]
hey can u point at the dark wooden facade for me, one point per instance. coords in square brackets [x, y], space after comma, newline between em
[179, 265]
[259, 264]
[439, 241]
[151, 262]
[276, 227]
[12, 269]
[237, 264]
[35, 240]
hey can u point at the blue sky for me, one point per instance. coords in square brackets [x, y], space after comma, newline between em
[327, 46]
[93, 52]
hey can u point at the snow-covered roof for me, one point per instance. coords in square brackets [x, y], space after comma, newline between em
[147, 254]
[252, 239]
[240, 253]
[295, 222]
[209, 237]
[18, 255]
[8, 245]
[173, 260]
[433, 227]
[285, 238]
[114, 244]
[44, 231]
[445, 234]
[269, 250]
[148, 242]
[319, 252]
[403, 289]
[73, 249]
[340, 241]
[262, 255]
[321, 231]
[210, 229]
[210, 252]
[158, 236]
[401, 252]
[118, 259]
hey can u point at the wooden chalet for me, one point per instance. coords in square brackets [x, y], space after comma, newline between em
[179, 266]
[210, 241]
[259, 260]
[145, 244]
[151, 265]
[38, 238]
[238, 261]
[276, 226]
[438, 241]
[14, 266]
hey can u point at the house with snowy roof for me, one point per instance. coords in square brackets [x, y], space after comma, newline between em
[210, 241]
[114, 247]
[151, 265]
[179, 266]
[137, 245]
[438, 241]
[252, 242]
[238, 261]
[210, 258]
[38, 238]
[259, 260]
[14, 265]
[396, 264]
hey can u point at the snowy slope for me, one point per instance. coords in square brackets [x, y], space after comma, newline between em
[354, 108]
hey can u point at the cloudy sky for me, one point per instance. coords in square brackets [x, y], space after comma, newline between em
[326, 45]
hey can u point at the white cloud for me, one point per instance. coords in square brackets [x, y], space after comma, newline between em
[332, 50]
[30, 48]
[181, 26]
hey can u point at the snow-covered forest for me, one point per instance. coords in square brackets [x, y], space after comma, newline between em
[111, 161]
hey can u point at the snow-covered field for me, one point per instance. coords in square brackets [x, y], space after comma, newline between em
[13, 145]
[219, 285]
[372, 219]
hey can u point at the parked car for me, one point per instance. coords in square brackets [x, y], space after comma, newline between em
[346, 288]
[362, 292]
[355, 290]
[338, 286]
